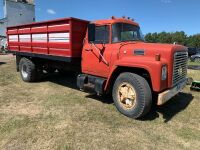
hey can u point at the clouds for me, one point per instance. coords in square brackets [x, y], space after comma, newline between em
[51, 11]
[166, 1]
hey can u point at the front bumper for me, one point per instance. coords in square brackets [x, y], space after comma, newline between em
[168, 94]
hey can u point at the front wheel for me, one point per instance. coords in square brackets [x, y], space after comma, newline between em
[132, 95]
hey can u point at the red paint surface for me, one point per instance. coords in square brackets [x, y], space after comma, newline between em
[75, 27]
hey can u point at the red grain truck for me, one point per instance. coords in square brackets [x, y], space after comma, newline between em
[110, 54]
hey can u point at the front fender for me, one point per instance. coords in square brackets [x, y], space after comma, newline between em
[152, 66]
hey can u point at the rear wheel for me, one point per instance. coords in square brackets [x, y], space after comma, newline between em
[132, 95]
[27, 70]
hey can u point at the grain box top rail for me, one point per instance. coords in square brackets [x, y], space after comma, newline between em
[46, 22]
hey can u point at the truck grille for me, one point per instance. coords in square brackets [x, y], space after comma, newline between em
[180, 66]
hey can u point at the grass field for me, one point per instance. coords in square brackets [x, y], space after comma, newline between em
[53, 114]
[193, 63]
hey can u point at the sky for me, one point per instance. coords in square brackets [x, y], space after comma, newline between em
[152, 15]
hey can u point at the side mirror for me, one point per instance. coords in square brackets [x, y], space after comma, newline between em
[91, 32]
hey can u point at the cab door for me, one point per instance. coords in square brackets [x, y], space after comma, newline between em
[96, 54]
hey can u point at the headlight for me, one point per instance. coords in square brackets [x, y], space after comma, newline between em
[164, 72]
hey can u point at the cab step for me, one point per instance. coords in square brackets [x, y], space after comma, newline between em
[93, 82]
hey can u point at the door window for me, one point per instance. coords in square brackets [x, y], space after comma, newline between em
[101, 34]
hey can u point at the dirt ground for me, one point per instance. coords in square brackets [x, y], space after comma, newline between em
[54, 114]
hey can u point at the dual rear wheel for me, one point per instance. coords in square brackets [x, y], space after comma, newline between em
[28, 70]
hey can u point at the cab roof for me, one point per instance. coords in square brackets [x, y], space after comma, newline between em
[115, 20]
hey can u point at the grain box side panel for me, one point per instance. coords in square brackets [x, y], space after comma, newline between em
[39, 36]
[59, 38]
[13, 39]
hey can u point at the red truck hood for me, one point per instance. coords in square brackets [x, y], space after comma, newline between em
[151, 49]
[148, 51]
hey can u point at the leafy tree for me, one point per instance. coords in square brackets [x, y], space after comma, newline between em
[179, 37]
[164, 37]
[170, 37]
[194, 41]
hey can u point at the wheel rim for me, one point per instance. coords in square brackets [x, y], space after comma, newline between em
[126, 95]
[24, 71]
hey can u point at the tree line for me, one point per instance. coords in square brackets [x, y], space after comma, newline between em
[171, 37]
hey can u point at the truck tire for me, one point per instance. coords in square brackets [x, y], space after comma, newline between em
[132, 95]
[27, 70]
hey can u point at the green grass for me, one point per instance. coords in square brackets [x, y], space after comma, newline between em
[53, 114]
[193, 63]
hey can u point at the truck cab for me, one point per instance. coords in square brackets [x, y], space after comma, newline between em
[116, 55]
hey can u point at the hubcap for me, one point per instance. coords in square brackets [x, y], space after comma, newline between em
[127, 95]
[24, 71]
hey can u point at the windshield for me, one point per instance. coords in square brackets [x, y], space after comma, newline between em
[126, 32]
